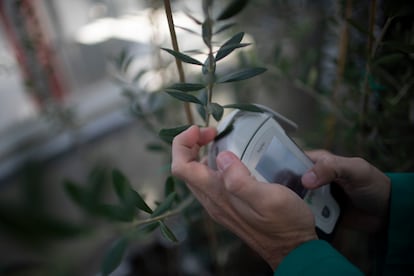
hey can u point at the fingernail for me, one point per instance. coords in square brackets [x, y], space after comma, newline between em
[224, 160]
[310, 179]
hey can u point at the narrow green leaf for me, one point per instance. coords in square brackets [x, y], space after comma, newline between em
[114, 256]
[115, 212]
[167, 233]
[242, 74]
[224, 28]
[225, 132]
[169, 186]
[198, 22]
[207, 31]
[203, 96]
[187, 87]
[126, 194]
[182, 57]
[225, 49]
[155, 147]
[388, 59]
[201, 110]
[164, 206]
[245, 107]
[209, 67]
[187, 30]
[148, 228]
[232, 9]
[216, 110]
[183, 96]
[76, 193]
[168, 135]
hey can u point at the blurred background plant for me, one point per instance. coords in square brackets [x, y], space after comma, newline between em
[341, 69]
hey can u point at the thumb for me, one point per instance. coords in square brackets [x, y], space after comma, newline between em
[237, 178]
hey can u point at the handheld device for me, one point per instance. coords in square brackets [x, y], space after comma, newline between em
[261, 141]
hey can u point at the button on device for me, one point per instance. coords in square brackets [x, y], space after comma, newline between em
[326, 212]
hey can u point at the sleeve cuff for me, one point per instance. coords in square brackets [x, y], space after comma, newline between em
[315, 257]
[401, 226]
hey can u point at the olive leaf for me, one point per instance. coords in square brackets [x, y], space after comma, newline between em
[216, 110]
[183, 57]
[165, 205]
[187, 87]
[167, 233]
[126, 194]
[183, 96]
[114, 255]
[168, 134]
[232, 9]
[242, 74]
[229, 46]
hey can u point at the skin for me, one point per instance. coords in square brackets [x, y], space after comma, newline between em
[271, 219]
[367, 188]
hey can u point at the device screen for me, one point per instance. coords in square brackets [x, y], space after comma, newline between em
[279, 165]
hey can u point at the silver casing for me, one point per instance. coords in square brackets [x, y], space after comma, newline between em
[253, 136]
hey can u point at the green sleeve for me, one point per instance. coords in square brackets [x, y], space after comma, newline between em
[315, 257]
[400, 249]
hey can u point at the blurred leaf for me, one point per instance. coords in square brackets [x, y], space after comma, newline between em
[97, 180]
[201, 110]
[198, 22]
[164, 206]
[187, 87]
[155, 147]
[148, 228]
[139, 74]
[216, 110]
[242, 74]
[167, 233]
[126, 194]
[115, 212]
[183, 96]
[405, 48]
[209, 66]
[224, 28]
[206, 5]
[127, 63]
[183, 57]
[360, 28]
[388, 59]
[168, 135]
[245, 107]
[169, 186]
[232, 9]
[76, 193]
[114, 255]
[203, 96]
[207, 31]
[187, 30]
[229, 128]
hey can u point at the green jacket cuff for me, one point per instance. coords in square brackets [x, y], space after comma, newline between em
[315, 257]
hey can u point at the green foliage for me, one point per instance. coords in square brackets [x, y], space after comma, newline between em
[114, 255]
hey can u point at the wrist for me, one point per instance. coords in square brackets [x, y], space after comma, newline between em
[275, 255]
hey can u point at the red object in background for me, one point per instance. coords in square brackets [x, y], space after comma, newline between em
[32, 49]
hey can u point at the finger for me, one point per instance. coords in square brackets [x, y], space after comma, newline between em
[240, 183]
[329, 167]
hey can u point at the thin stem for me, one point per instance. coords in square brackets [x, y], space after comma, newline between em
[184, 204]
[178, 62]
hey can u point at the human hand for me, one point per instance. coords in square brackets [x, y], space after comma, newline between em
[367, 188]
[271, 219]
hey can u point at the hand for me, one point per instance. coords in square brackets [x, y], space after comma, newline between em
[367, 188]
[271, 219]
